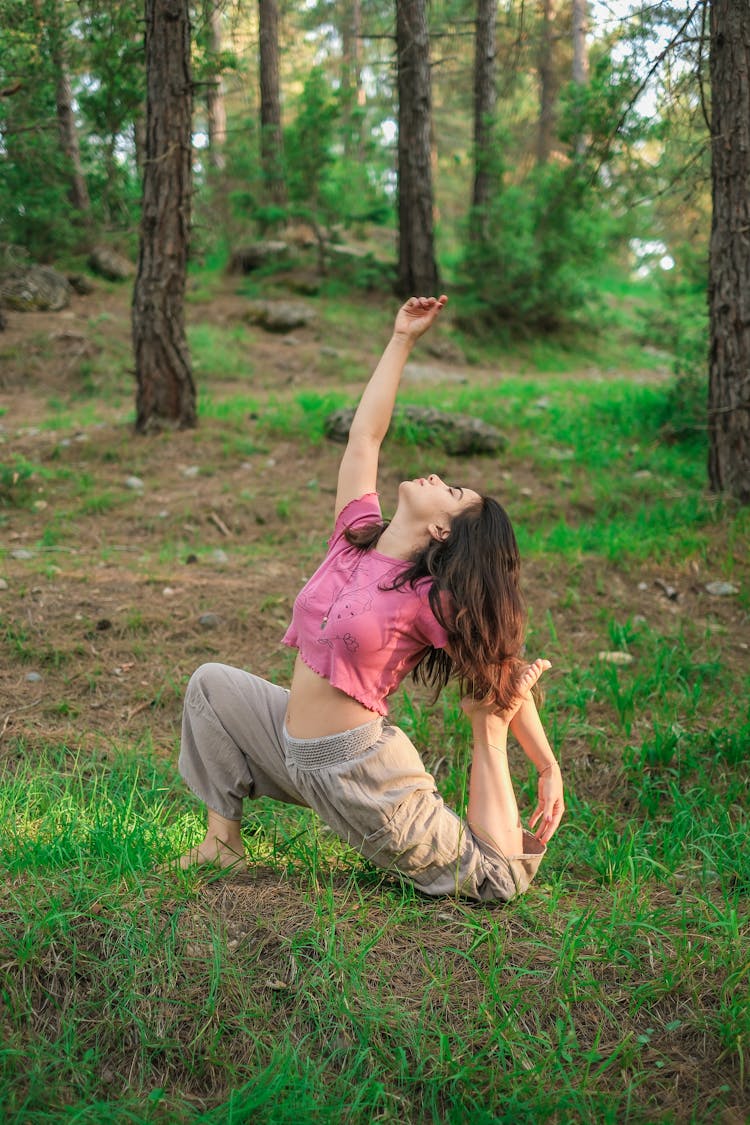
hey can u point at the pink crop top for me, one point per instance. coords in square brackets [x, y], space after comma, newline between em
[362, 639]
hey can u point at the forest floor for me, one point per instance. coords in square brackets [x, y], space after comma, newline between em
[127, 561]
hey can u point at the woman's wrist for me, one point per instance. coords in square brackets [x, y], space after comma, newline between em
[554, 764]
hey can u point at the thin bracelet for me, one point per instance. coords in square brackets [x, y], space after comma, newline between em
[549, 767]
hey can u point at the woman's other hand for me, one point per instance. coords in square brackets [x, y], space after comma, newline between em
[417, 315]
[550, 804]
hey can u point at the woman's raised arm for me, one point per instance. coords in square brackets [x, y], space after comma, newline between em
[358, 471]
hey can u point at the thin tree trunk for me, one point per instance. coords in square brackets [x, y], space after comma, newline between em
[485, 97]
[78, 193]
[417, 268]
[729, 263]
[166, 392]
[547, 91]
[271, 139]
[215, 107]
[580, 59]
[353, 94]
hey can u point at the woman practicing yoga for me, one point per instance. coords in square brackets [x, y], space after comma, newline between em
[435, 592]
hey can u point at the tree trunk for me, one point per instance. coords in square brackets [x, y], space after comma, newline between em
[215, 108]
[547, 84]
[417, 268]
[485, 96]
[166, 392]
[78, 193]
[729, 263]
[353, 94]
[580, 50]
[271, 140]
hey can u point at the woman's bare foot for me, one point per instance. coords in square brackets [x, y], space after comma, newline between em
[214, 852]
[530, 676]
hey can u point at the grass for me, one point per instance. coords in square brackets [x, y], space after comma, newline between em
[313, 989]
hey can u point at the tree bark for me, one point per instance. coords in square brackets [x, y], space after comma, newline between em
[215, 107]
[271, 138]
[417, 268]
[580, 50]
[166, 392]
[547, 84]
[353, 94]
[485, 97]
[729, 262]
[78, 193]
[580, 59]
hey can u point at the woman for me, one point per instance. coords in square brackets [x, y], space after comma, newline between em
[434, 592]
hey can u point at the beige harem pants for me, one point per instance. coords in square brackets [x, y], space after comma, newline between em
[369, 785]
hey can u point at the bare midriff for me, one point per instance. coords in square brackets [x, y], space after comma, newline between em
[316, 708]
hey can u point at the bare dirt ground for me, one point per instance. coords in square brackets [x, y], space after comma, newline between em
[101, 617]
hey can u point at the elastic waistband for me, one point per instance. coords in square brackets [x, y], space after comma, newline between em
[317, 753]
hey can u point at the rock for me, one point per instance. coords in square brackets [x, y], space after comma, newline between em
[443, 349]
[34, 289]
[21, 553]
[109, 264]
[458, 434]
[279, 316]
[81, 284]
[721, 589]
[257, 254]
[135, 483]
[219, 556]
[33, 678]
[328, 352]
[670, 591]
[209, 621]
[3, 584]
[615, 657]
[191, 470]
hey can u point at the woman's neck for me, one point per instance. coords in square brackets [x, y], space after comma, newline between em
[399, 541]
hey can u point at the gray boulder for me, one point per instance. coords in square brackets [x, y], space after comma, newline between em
[257, 254]
[109, 264]
[279, 316]
[34, 289]
[458, 434]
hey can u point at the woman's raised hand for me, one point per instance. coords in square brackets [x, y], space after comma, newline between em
[417, 315]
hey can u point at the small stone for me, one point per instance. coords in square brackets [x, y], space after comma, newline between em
[220, 556]
[135, 483]
[168, 592]
[163, 514]
[329, 352]
[191, 470]
[3, 584]
[721, 589]
[40, 505]
[615, 658]
[526, 492]
[21, 553]
[642, 474]
[290, 341]
[639, 619]
[33, 678]
[643, 585]
[209, 621]
[65, 443]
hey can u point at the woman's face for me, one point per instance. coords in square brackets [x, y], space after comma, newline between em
[431, 501]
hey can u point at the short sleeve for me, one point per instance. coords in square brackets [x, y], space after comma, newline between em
[357, 513]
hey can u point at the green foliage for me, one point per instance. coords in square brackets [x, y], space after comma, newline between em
[542, 242]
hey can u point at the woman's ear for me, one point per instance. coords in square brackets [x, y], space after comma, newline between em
[438, 531]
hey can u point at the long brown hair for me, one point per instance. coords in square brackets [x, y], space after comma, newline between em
[476, 597]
